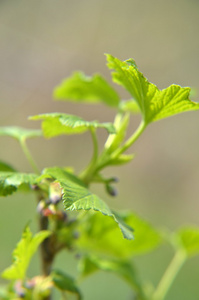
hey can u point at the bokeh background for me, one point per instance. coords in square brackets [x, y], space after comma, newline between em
[44, 41]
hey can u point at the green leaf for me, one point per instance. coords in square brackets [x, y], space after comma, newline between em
[19, 133]
[153, 103]
[106, 239]
[76, 196]
[188, 238]
[55, 124]
[23, 253]
[65, 282]
[4, 167]
[82, 88]
[123, 269]
[11, 181]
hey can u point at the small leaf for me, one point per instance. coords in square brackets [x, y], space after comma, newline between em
[106, 238]
[11, 181]
[55, 124]
[121, 159]
[76, 196]
[82, 88]
[123, 269]
[19, 133]
[189, 240]
[153, 103]
[114, 141]
[65, 282]
[23, 253]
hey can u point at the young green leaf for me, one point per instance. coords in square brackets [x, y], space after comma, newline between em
[114, 141]
[121, 159]
[82, 88]
[11, 181]
[153, 103]
[55, 124]
[122, 268]
[65, 282]
[19, 133]
[188, 238]
[23, 253]
[106, 238]
[76, 196]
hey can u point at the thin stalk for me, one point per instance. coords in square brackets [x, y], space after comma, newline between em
[169, 275]
[29, 156]
[87, 173]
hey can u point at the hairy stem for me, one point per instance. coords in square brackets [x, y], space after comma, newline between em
[47, 256]
[169, 275]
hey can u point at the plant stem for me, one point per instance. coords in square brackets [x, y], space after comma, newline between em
[29, 156]
[169, 275]
[47, 256]
[87, 173]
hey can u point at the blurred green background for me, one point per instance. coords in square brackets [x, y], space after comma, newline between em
[43, 41]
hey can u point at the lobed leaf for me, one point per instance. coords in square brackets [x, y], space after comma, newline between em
[122, 268]
[11, 181]
[76, 196]
[64, 282]
[188, 238]
[106, 239]
[23, 253]
[19, 133]
[153, 103]
[82, 88]
[55, 124]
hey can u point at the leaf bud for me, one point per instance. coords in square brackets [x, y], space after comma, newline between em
[111, 190]
[114, 179]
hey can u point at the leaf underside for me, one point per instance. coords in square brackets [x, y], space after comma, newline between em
[82, 88]
[64, 282]
[55, 124]
[106, 238]
[122, 268]
[11, 181]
